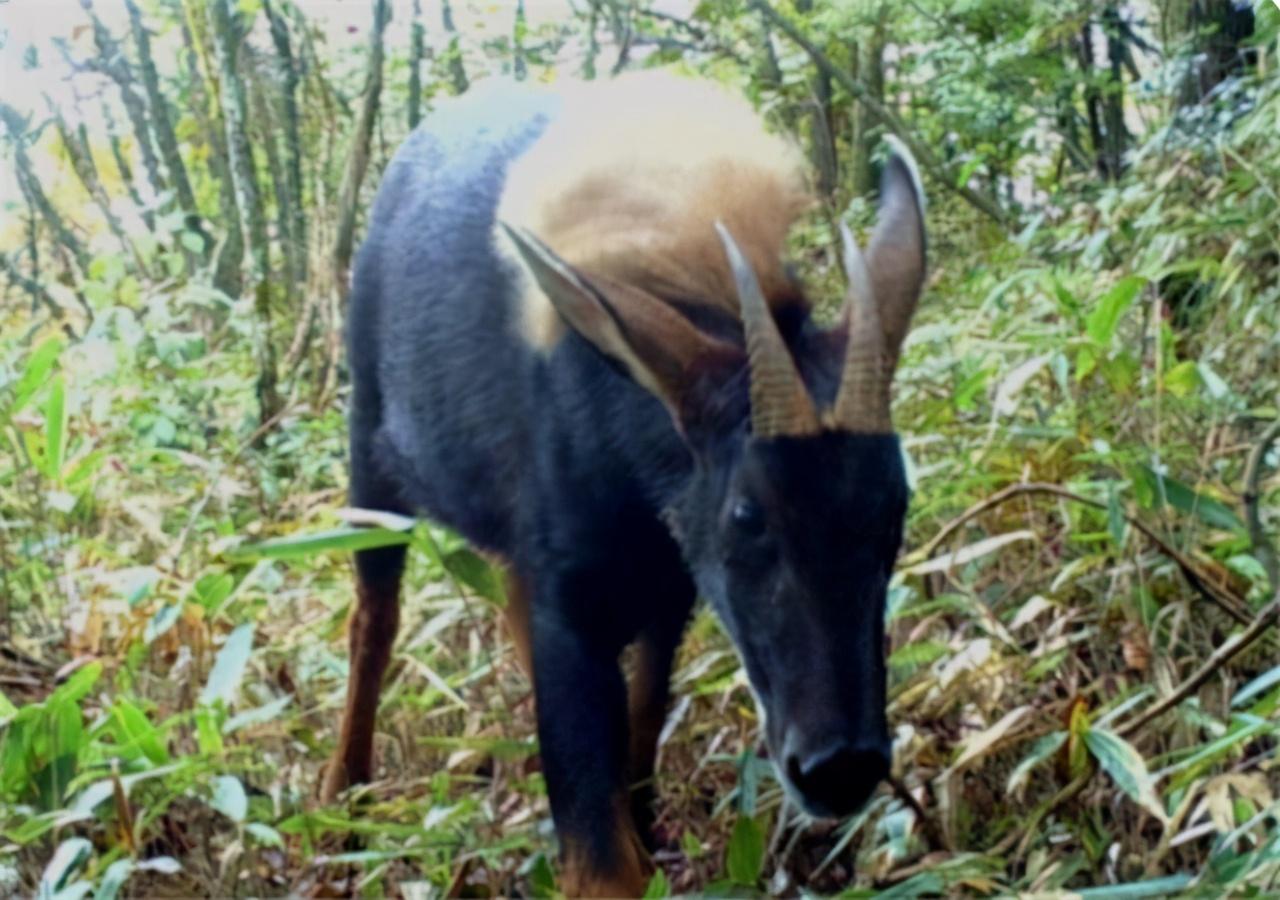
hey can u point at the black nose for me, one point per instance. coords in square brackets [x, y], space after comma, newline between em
[839, 777]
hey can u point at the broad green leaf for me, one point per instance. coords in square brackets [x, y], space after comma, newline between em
[1259, 685]
[113, 879]
[1044, 748]
[229, 798]
[476, 574]
[1182, 379]
[134, 729]
[1186, 499]
[165, 618]
[71, 854]
[1105, 316]
[657, 887]
[303, 545]
[1126, 767]
[37, 369]
[229, 667]
[55, 429]
[1136, 890]
[745, 856]
[257, 715]
[265, 834]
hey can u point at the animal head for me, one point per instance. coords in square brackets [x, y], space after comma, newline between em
[793, 515]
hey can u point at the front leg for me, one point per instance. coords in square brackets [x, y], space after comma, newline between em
[582, 730]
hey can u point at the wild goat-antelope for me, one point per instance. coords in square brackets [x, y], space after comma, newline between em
[573, 340]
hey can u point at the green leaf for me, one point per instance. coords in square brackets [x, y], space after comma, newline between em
[1137, 890]
[133, 729]
[33, 377]
[164, 619]
[1116, 522]
[657, 887]
[1182, 379]
[476, 574]
[229, 798]
[71, 854]
[1103, 320]
[1185, 499]
[113, 879]
[55, 429]
[303, 545]
[265, 834]
[745, 857]
[211, 589]
[1126, 767]
[1261, 684]
[229, 667]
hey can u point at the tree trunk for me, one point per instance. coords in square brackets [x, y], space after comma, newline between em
[112, 63]
[123, 167]
[205, 88]
[457, 71]
[822, 141]
[293, 200]
[519, 67]
[417, 38]
[162, 127]
[593, 43]
[358, 156]
[1117, 137]
[224, 30]
[33, 191]
[76, 143]
[869, 66]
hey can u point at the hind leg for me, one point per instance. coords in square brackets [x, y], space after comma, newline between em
[371, 633]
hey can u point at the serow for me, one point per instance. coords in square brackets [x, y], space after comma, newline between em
[573, 340]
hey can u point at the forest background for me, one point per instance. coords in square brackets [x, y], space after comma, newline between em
[1084, 678]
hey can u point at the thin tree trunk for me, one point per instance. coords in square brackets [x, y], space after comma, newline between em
[869, 65]
[457, 71]
[1117, 132]
[29, 183]
[593, 43]
[518, 64]
[226, 43]
[822, 141]
[205, 88]
[162, 126]
[76, 143]
[358, 156]
[112, 63]
[123, 167]
[417, 39]
[293, 198]
[265, 135]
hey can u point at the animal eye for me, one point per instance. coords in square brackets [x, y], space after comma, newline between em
[748, 517]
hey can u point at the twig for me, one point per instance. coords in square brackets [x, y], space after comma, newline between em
[1225, 600]
[891, 120]
[1268, 617]
[936, 834]
[1262, 547]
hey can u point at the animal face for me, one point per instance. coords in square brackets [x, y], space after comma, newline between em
[792, 541]
[792, 516]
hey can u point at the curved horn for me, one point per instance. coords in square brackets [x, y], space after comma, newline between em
[780, 404]
[862, 403]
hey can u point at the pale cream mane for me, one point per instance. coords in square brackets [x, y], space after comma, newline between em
[629, 179]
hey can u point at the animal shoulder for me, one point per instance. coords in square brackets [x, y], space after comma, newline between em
[629, 179]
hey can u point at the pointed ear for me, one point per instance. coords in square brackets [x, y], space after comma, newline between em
[657, 347]
[896, 252]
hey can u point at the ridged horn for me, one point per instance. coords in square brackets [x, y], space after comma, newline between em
[780, 403]
[862, 403]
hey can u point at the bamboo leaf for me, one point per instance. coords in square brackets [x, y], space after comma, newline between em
[229, 667]
[1126, 767]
